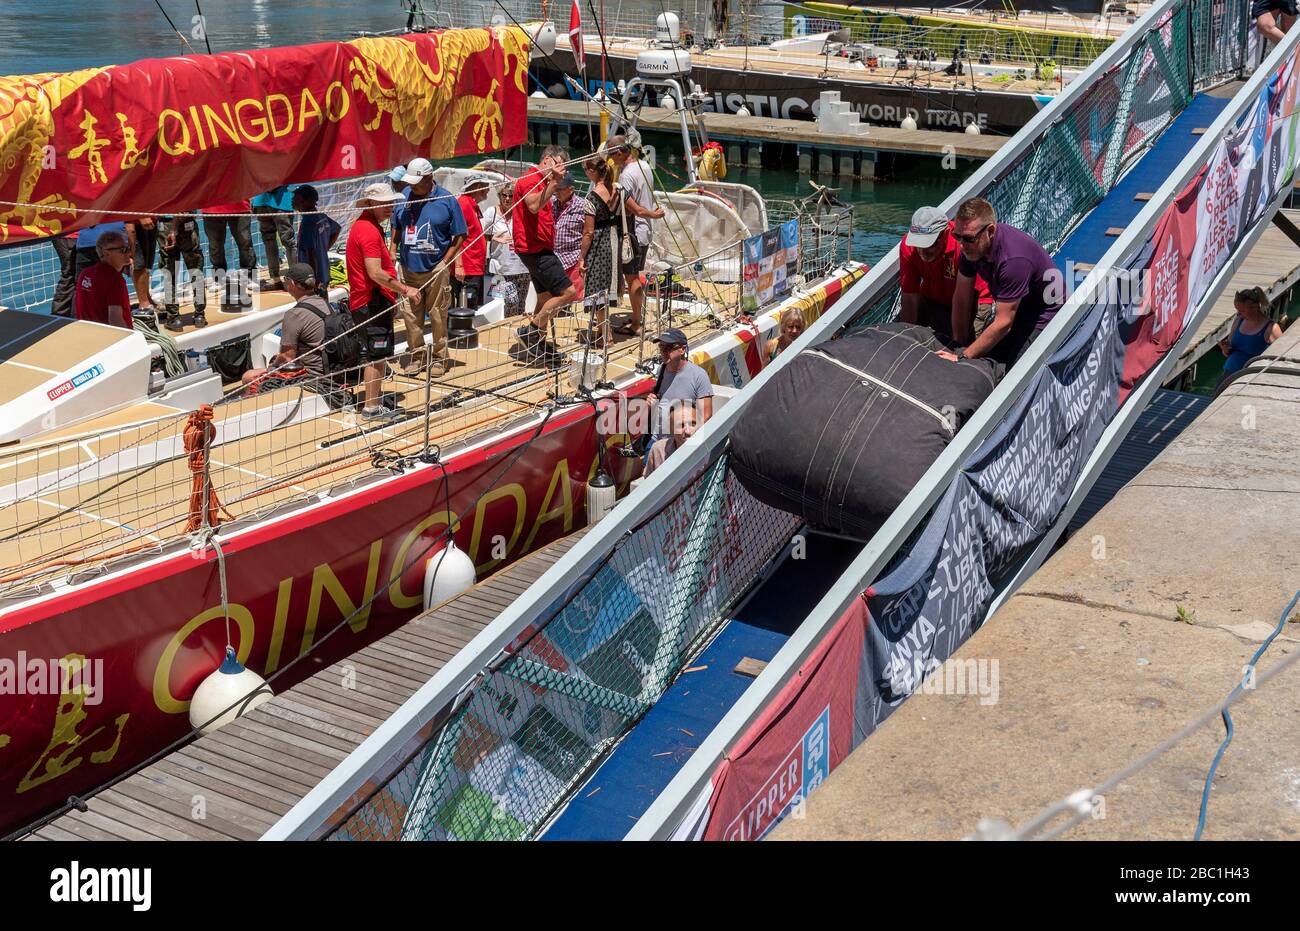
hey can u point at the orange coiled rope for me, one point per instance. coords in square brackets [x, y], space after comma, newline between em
[199, 433]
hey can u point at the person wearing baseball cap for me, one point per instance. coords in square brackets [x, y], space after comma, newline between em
[395, 178]
[373, 288]
[928, 260]
[429, 231]
[301, 334]
[680, 383]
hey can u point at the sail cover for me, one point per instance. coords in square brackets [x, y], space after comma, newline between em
[180, 133]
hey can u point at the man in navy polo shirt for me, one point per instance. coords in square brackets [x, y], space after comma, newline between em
[1024, 282]
[429, 230]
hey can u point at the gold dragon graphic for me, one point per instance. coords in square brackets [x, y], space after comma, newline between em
[422, 97]
[27, 105]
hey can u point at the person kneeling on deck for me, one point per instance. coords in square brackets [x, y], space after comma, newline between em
[681, 383]
[301, 334]
[430, 230]
[102, 296]
[534, 231]
[1024, 282]
[373, 289]
[928, 258]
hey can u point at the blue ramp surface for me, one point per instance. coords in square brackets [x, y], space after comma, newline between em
[645, 762]
[1089, 241]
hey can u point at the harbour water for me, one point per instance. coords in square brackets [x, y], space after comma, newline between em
[61, 35]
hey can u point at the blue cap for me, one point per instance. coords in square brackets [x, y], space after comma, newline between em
[397, 173]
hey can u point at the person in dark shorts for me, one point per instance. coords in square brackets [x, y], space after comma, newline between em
[178, 244]
[1026, 286]
[1272, 18]
[373, 288]
[534, 232]
[143, 233]
[636, 178]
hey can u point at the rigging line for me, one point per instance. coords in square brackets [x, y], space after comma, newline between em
[203, 24]
[1084, 810]
[364, 606]
[1247, 681]
[184, 41]
[604, 57]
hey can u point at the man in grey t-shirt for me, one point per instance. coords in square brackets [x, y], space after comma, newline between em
[681, 382]
[301, 334]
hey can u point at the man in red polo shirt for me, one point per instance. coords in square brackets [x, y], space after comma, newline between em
[101, 290]
[373, 288]
[927, 273]
[534, 230]
[471, 261]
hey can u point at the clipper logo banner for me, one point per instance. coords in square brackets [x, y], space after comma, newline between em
[178, 133]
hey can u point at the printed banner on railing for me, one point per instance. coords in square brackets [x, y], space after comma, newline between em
[1200, 231]
[771, 259]
[1016, 485]
[789, 751]
[181, 133]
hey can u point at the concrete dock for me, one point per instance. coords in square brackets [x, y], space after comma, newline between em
[764, 141]
[1144, 619]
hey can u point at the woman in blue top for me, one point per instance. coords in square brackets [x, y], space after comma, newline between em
[1251, 332]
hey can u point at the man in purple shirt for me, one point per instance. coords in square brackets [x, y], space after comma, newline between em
[1024, 282]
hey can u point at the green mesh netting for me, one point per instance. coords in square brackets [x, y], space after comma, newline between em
[535, 724]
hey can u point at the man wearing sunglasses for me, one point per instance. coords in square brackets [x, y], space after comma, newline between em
[101, 290]
[1024, 282]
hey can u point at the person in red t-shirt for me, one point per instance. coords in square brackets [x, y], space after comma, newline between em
[534, 231]
[373, 288]
[101, 290]
[471, 261]
[927, 274]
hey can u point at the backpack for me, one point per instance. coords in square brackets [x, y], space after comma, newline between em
[342, 346]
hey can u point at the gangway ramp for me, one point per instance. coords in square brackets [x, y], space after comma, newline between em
[1070, 400]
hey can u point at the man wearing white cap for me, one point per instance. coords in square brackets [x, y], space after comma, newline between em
[430, 230]
[928, 260]
[373, 287]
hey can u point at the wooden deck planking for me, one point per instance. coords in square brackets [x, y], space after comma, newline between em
[254, 770]
[104, 511]
[1272, 264]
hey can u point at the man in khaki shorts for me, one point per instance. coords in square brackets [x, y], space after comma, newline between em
[429, 229]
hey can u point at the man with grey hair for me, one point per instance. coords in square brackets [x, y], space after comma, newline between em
[102, 296]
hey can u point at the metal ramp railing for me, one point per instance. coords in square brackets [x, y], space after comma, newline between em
[1083, 141]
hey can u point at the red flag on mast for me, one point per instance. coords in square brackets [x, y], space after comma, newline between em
[575, 37]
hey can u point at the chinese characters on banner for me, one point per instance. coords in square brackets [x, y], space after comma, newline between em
[174, 134]
[770, 259]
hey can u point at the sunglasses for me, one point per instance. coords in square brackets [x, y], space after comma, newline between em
[970, 238]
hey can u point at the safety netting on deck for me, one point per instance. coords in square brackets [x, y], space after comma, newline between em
[542, 716]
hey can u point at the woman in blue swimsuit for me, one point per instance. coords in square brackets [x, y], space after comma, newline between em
[1251, 332]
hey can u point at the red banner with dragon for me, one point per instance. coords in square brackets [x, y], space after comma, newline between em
[177, 134]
